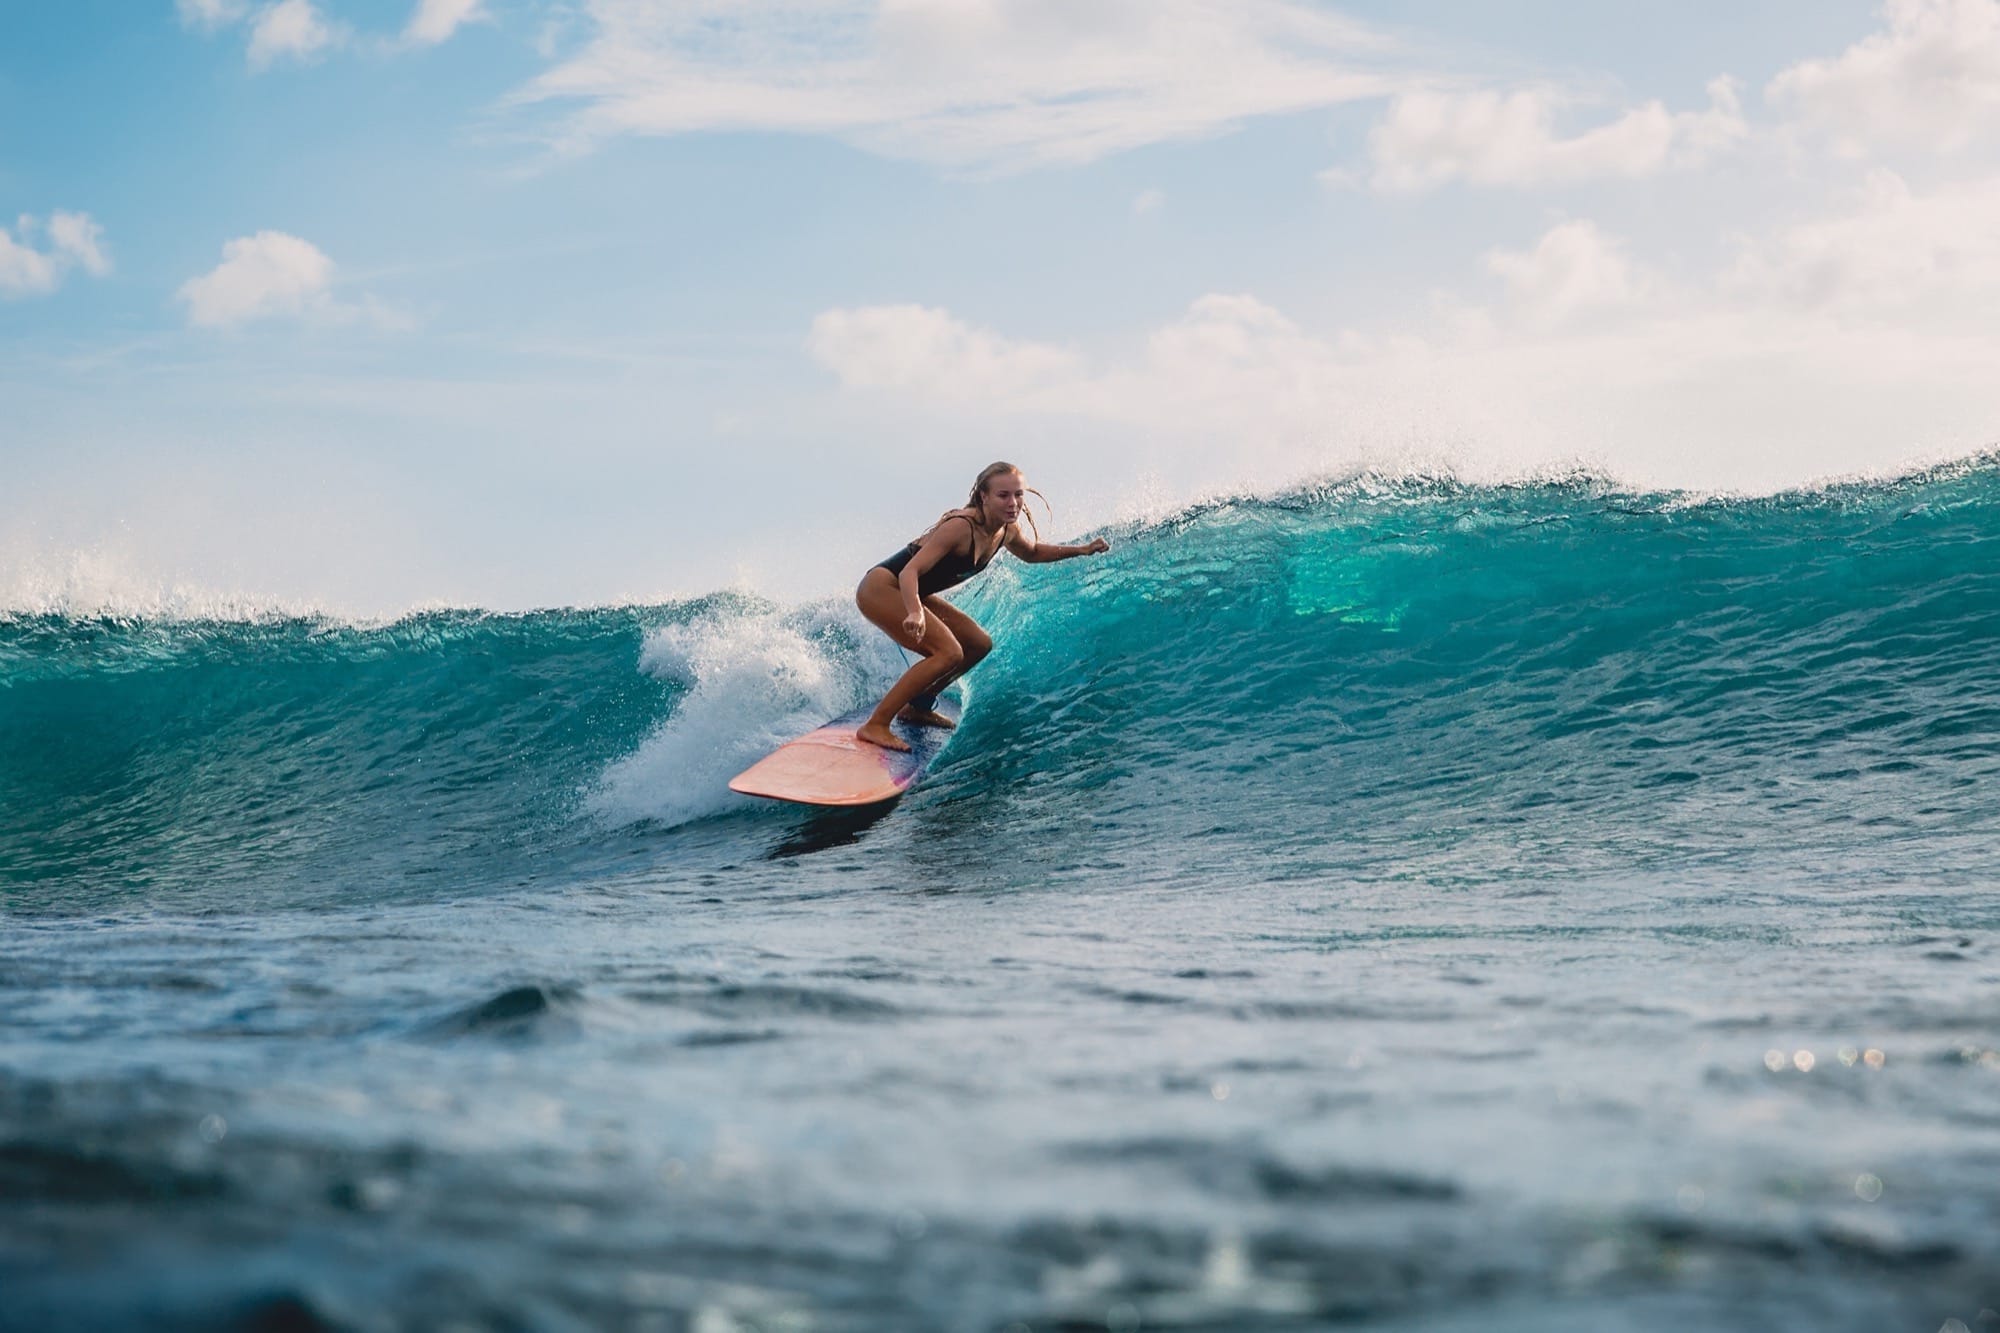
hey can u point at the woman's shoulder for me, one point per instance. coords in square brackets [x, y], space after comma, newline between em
[946, 528]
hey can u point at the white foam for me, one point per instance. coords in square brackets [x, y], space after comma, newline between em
[755, 679]
[95, 584]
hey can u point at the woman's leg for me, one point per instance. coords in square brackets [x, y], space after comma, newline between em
[972, 640]
[881, 600]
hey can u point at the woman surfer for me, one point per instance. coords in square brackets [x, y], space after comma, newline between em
[900, 596]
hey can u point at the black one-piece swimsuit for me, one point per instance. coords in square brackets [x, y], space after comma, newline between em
[951, 569]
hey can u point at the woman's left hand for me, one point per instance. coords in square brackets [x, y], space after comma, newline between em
[1098, 546]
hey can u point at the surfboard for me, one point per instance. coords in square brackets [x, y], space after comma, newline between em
[828, 766]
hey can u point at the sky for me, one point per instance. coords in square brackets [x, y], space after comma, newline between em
[365, 305]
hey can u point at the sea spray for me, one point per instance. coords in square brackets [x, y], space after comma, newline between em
[748, 678]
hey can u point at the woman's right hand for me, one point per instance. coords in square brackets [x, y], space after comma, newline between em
[913, 624]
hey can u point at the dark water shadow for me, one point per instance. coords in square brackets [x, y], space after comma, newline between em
[823, 829]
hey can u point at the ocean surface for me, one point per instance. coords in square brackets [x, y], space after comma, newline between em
[1394, 904]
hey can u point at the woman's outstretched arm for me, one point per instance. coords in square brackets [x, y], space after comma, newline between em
[1041, 553]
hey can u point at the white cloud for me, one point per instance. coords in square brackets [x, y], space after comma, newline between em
[967, 84]
[81, 239]
[269, 274]
[1232, 361]
[298, 30]
[210, 13]
[436, 20]
[25, 271]
[290, 29]
[1892, 253]
[1573, 269]
[74, 239]
[1932, 78]
[916, 347]
[1859, 340]
[1228, 330]
[1429, 139]
[1149, 201]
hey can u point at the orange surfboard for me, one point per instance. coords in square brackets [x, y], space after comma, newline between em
[829, 766]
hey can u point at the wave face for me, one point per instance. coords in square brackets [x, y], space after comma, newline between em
[203, 760]
[1398, 678]
[1541, 677]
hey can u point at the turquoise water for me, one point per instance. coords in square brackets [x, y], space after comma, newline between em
[1400, 904]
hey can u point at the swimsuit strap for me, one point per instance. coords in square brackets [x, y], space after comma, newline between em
[977, 563]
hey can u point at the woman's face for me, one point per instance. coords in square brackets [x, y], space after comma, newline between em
[1005, 494]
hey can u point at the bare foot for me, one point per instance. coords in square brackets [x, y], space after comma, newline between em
[925, 717]
[876, 734]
